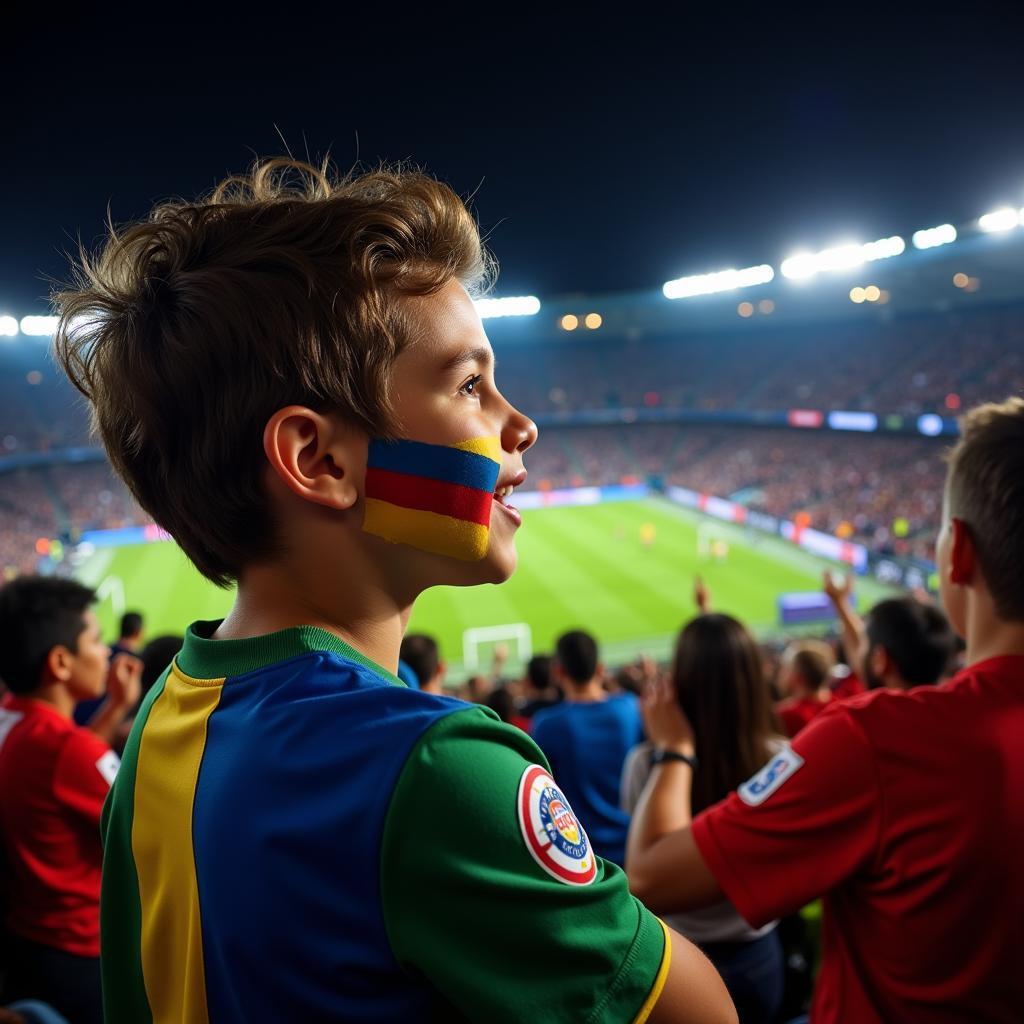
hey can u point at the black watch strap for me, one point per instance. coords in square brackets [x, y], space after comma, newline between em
[660, 755]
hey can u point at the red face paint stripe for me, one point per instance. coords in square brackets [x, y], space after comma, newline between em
[418, 492]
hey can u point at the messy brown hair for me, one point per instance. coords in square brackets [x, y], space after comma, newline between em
[985, 489]
[187, 331]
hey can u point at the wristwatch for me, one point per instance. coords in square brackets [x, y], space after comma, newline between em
[659, 755]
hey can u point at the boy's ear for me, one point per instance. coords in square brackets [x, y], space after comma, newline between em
[315, 455]
[879, 662]
[57, 667]
[963, 555]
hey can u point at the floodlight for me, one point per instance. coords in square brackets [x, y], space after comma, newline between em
[1003, 219]
[803, 265]
[39, 326]
[929, 424]
[516, 305]
[929, 238]
[8, 327]
[720, 281]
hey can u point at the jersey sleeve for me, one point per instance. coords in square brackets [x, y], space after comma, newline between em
[84, 773]
[469, 906]
[803, 824]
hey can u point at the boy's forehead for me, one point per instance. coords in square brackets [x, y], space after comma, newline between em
[446, 327]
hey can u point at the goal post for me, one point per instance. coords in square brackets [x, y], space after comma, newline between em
[476, 641]
[112, 589]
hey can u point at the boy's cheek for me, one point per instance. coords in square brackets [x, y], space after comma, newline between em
[436, 498]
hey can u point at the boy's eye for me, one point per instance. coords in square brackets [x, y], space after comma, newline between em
[470, 386]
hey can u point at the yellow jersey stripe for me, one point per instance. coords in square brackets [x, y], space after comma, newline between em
[659, 979]
[170, 753]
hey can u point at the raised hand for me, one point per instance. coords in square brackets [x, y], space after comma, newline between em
[124, 680]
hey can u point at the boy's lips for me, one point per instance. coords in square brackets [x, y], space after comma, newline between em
[503, 491]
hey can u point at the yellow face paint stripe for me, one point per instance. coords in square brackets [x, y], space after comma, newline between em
[170, 754]
[488, 447]
[659, 980]
[428, 531]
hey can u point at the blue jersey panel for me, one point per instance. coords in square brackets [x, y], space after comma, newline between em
[295, 782]
[587, 743]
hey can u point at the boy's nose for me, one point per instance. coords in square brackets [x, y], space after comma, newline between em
[520, 432]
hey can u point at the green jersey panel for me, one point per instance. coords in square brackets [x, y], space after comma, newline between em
[488, 920]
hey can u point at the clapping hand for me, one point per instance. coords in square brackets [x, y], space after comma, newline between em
[664, 721]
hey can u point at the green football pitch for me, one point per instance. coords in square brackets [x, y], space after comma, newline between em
[578, 567]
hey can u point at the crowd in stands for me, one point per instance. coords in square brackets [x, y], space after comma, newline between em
[908, 366]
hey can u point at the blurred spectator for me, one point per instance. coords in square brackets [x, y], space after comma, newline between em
[806, 666]
[420, 653]
[904, 642]
[586, 739]
[128, 639]
[717, 679]
[54, 777]
[538, 686]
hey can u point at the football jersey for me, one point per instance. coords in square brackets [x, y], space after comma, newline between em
[797, 713]
[586, 743]
[295, 835]
[905, 811]
[54, 777]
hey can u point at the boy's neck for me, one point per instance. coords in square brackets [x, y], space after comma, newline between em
[992, 637]
[587, 693]
[269, 599]
[56, 696]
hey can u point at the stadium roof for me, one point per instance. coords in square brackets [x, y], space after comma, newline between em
[977, 271]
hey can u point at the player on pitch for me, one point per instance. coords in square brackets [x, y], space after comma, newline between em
[294, 382]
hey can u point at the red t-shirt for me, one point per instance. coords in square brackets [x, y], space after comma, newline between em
[796, 712]
[905, 811]
[847, 685]
[54, 777]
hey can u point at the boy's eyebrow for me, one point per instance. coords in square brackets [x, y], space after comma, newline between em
[469, 355]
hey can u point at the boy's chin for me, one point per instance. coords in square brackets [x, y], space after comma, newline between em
[494, 567]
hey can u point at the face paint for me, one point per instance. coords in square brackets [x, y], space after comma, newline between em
[431, 496]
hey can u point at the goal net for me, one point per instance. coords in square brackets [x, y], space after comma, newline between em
[478, 644]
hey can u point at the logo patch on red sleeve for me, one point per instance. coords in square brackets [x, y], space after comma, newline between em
[552, 832]
[107, 766]
[761, 786]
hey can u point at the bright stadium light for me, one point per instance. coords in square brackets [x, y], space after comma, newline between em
[720, 281]
[8, 327]
[929, 238]
[1004, 219]
[516, 305]
[39, 326]
[803, 265]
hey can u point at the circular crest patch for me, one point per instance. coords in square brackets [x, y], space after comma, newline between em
[553, 834]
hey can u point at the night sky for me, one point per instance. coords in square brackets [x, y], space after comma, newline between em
[605, 154]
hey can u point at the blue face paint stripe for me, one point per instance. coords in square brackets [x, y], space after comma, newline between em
[434, 461]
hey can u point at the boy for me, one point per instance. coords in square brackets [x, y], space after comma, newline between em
[54, 777]
[904, 810]
[293, 381]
